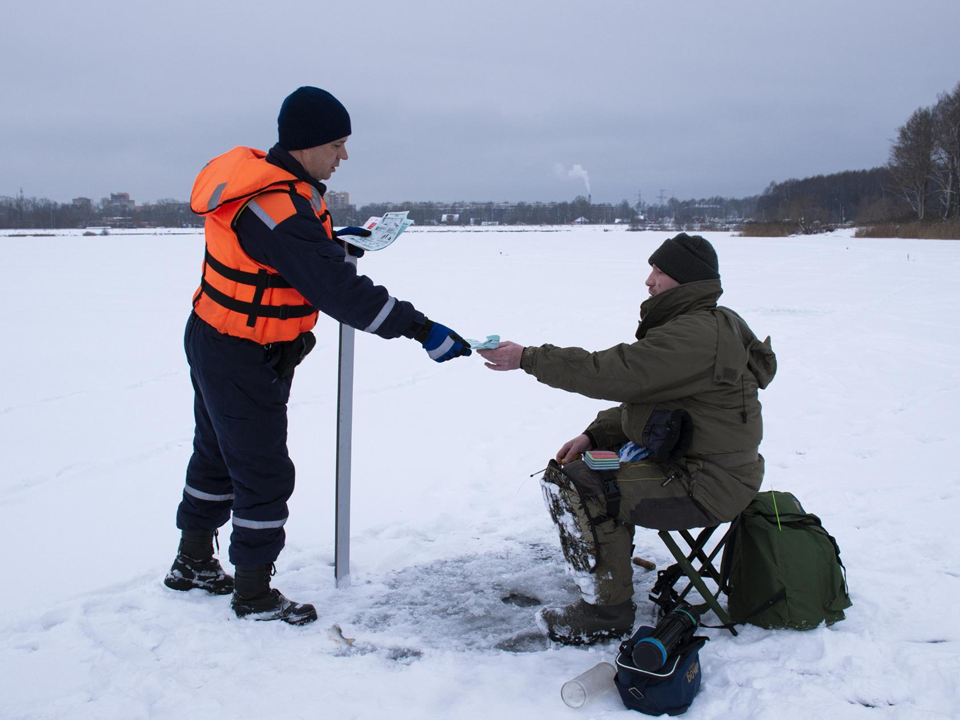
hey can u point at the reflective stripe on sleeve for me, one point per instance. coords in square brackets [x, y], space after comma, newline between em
[442, 350]
[258, 524]
[381, 316]
[262, 214]
[200, 495]
[215, 197]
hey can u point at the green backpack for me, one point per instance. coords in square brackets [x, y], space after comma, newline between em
[782, 568]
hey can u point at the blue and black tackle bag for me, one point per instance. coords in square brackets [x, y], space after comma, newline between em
[670, 689]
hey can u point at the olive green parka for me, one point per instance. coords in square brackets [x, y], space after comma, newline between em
[689, 355]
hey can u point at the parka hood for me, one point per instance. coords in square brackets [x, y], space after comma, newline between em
[741, 349]
[737, 351]
[762, 362]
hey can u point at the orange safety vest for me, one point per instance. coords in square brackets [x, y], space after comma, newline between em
[238, 295]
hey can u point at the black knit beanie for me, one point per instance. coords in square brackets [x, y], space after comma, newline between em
[310, 117]
[687, 258]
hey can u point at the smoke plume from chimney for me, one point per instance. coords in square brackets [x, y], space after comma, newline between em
[573, 173]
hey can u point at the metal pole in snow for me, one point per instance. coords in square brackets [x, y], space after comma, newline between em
[341, 562]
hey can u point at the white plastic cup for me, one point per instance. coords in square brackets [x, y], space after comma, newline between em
[586, 686]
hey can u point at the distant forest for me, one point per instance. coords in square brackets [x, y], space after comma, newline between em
[920, 182]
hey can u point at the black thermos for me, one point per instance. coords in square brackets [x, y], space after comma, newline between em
[651, 653]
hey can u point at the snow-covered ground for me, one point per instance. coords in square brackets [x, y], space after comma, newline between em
[96, 424]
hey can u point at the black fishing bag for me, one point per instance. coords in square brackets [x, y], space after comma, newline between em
[671, 689]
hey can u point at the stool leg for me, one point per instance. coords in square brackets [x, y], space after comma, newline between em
[697, 551]
[697, 581]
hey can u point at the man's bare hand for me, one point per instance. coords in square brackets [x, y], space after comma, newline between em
[573, 449]
[505, 357]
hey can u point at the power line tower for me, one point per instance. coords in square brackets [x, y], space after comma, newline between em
[661, 197]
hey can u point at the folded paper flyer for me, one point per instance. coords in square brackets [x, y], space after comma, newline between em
[383, 231]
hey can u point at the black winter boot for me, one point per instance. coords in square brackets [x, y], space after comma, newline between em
[584, 624]
[253, 597]
[195, 566]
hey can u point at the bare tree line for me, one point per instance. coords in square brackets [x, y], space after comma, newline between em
[31, 213]
[925, 159]
[921, 180]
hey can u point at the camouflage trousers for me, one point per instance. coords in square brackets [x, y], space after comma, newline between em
[598, 548]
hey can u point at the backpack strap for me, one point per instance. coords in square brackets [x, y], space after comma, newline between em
[781, 594]
[663, 593]
[611, 493]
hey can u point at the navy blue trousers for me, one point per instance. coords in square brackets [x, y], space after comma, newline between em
[240, 461]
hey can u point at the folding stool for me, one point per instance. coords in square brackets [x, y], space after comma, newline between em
[664, 593]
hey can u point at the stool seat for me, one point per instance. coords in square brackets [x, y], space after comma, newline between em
[664, 591]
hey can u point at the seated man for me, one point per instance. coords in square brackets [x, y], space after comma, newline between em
[687, 430]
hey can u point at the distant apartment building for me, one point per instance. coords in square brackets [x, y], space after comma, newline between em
[82, 204]
[337, 200]
[119, 205]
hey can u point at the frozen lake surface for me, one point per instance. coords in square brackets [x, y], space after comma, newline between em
[96, 425]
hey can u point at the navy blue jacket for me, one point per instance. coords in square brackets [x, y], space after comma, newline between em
[312, 262]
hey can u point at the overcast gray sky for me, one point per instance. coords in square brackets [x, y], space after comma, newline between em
[469, 101]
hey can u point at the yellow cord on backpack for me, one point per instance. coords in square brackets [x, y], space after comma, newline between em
[773, 494]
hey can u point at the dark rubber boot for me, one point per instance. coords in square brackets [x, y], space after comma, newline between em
[196, 568]
[585, 624]
[254, 598]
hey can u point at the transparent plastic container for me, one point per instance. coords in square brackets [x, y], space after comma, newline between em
[589, 685]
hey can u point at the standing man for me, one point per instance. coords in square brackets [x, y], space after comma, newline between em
[272, 263]
[687, 431]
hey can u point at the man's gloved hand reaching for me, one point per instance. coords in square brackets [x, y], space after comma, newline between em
[441, 343]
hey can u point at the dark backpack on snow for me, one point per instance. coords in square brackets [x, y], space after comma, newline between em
[782, 568]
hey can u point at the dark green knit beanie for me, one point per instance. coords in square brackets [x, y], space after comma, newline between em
[687, 258]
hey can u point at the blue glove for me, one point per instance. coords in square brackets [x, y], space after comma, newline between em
[441, 343]
[351, 230]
